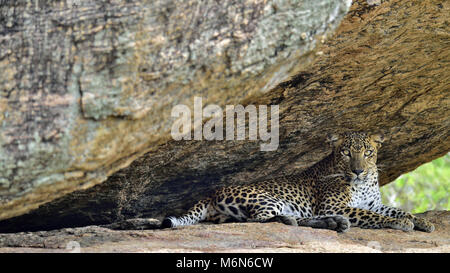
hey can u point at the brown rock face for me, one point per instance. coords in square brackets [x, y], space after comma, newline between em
[384, 70]
[233, 238]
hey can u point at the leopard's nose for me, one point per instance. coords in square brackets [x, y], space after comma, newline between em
[357, 172]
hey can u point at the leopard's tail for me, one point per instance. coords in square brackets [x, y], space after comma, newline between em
[198, 213]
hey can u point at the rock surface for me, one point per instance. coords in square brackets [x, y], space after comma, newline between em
[234, 237]
[87, 86]
[386, 69]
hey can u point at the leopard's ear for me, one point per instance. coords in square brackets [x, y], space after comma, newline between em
[334, 139]
[378, 138]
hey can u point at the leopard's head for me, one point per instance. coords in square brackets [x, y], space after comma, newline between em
[356, 154]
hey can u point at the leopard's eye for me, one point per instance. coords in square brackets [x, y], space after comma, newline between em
[368, 153]
[345, 152]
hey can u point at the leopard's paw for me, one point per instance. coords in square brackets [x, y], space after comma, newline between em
[338, 223]
[401, 224]
[422, 224]
[341, 223]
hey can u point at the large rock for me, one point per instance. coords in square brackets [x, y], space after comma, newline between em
[88, 86]
[233, 238]
[386, 69]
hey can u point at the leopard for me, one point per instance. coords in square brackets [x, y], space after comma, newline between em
[338, 192]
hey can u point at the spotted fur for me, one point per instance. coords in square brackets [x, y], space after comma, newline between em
[336, 193]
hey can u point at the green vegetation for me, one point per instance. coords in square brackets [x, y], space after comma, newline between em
[425, 188]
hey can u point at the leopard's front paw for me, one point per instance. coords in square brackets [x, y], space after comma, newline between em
[422, 224]
[402, 224]
[338, 223]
